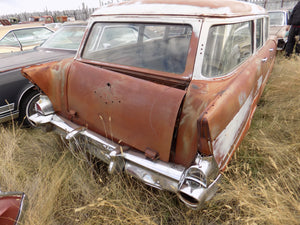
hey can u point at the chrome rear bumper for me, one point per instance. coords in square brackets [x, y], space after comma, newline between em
[193, 185]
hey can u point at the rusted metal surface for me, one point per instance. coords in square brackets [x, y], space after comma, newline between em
[128, 110]
[223, 108]
[133, 111]
[51, 78]
[141, 108]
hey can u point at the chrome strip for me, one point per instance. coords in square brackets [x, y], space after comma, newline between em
[12, 116]
[7, 108]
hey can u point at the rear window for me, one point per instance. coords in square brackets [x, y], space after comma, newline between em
[162, 47]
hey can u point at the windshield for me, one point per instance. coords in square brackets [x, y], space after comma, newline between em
[276, 18]
[67, 37]
[162, 47]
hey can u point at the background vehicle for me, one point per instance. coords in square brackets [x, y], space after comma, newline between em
[21, 37]
[17, 94]
[169, 109]
[278, 25]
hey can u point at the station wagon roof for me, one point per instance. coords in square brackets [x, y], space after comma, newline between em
[198, 8]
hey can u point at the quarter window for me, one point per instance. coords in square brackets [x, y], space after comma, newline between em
[267, 28]
[227, 46]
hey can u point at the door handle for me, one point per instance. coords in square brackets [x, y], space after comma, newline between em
[265, 59]
[271, 49]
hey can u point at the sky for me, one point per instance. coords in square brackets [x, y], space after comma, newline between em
[19, 6]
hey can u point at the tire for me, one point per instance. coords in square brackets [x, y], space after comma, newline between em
[27, 108]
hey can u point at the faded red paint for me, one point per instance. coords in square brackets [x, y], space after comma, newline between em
[9, 209]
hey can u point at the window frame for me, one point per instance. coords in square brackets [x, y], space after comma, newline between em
[197, 74]
[262, 33]
[195, 23]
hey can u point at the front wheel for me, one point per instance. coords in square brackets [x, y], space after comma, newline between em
[27, 108]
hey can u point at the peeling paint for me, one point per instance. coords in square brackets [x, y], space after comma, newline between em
[224, 142]
[242, 98]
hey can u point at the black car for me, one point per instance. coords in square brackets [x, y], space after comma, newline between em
[17, 94]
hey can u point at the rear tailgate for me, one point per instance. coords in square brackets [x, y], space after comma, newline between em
[126, 109]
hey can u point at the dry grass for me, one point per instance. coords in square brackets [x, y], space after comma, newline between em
[260, 186]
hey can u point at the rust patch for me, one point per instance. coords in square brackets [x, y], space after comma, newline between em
[51, 78]
[136, 112]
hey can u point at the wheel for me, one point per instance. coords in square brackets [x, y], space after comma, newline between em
[27, 108]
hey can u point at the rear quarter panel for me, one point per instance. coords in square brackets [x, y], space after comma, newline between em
[225, 106]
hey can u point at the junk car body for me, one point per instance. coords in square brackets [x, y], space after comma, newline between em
[17, 94]
[166, 96]
[278, 26]
[11, 204]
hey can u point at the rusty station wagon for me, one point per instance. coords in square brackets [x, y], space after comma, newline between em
[163, 95]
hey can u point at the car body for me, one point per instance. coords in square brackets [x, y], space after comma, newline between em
[17, 94]
[20, 37]
[278, 26]
[11, 204]
[169, 109]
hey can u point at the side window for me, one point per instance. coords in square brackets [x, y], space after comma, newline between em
[259, 33]
[9, 40]
[227, 46]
